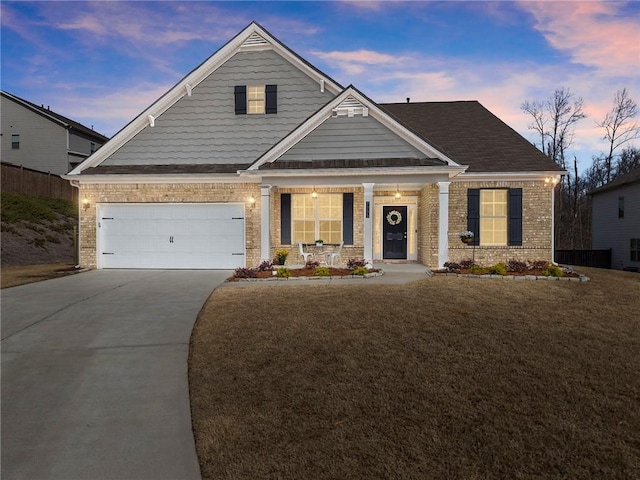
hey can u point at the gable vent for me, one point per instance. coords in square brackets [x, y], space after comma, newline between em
[350, 107]
[255, 40]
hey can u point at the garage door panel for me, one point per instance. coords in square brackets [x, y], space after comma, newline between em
[190, 236]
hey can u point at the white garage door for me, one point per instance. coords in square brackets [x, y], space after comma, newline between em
[168, 235]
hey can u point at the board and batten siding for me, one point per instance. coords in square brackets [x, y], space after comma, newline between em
[351, 138]
[609, 231]
[204, 128]
[43, 143]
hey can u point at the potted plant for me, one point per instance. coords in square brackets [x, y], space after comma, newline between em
[319, 242]
[467, 237]
[281, 256]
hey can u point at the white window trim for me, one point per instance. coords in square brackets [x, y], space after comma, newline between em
[483, 242]
[316, 216]
[257, 90]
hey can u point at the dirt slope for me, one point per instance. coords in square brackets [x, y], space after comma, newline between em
[36, 230]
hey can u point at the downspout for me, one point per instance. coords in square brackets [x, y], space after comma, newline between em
[553, 225]
[76, 184]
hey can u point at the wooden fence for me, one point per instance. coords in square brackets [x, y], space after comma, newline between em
[18, 179]
[585, 258]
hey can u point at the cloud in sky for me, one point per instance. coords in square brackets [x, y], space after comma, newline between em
[595, 34]
[104, 62]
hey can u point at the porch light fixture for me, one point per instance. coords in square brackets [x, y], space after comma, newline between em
[397, 192]
[251, 200]
[553, 181]
[314, 194]
[85, 203]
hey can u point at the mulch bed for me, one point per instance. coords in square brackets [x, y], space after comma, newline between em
[538, 273]
[305, 272]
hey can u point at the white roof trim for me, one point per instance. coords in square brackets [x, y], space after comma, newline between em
[508, 176]
[245, 40]
[157, 178]
[350, 172]
[349, 100]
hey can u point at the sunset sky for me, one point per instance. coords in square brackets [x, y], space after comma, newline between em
[102, 63]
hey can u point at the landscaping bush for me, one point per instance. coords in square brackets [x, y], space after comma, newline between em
[244, 273]
[452, 267]
[322, 272]
[283, 272]
[539, 264]
[516, 266]
[498, 269]
[354, 263]
[466, 264]
[477, 270]
[359, 271]
[553, 271]
[311, 264]
[265, 266]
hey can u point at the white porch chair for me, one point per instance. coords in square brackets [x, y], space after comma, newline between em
[336, 254]
[303, 254]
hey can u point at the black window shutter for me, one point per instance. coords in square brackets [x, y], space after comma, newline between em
[347, 218]
[473, 214]
[271, 99]
[515, 216]
[285, 219]
[240, 92]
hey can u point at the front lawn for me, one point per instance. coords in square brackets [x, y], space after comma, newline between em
[443, 378]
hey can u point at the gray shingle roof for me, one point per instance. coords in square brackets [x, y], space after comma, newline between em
[166, 169]
[628, 178]
[471, 135]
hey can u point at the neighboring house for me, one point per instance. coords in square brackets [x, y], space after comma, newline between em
[35, 137]
[616, 220]
[257, 150]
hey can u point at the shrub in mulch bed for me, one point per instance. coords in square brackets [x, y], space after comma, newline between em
[242, 273]
[516, 268]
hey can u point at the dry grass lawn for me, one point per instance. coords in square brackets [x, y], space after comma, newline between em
[20, 275]
[440, 379]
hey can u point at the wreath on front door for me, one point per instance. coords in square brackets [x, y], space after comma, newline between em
[394, 217]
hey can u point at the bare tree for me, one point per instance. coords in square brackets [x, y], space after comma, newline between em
[554, 120]
[629, 160]
[536, 110]
[619, 127]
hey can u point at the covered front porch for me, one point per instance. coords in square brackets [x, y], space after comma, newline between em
[400, 218]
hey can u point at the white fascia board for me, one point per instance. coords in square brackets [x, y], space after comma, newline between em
[351, 172]
[508, 176]
[326, 112]
[192, 80]
[124, 179]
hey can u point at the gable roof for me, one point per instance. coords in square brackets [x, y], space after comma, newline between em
[470, 134]
[627, 179]
[350, 102]
[56, 117]
[252, 38]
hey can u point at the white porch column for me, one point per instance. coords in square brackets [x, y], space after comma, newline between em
[265, 221]
[368, 222]
[443, 223]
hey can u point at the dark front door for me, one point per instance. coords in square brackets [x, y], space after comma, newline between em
[394, 232]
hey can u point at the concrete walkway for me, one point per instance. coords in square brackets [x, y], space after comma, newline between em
[94, 375]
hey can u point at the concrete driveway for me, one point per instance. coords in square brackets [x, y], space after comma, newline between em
[94, 375]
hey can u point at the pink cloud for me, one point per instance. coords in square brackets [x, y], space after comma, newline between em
[368, 57]
[593, 33]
